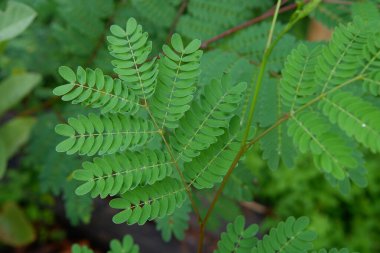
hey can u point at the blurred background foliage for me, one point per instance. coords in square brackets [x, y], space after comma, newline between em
[37, 36]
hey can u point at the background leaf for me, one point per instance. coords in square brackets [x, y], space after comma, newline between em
[15, 229]
[15, 87]
[15, 19]
[15, 133]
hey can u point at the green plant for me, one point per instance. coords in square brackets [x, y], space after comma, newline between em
[174, 135]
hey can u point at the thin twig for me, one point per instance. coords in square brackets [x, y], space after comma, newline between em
[254, 206]
[181, 10]
[246, 24]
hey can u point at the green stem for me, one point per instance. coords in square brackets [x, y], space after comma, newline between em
[267, 52]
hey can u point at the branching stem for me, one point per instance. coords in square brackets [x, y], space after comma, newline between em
[244, 145]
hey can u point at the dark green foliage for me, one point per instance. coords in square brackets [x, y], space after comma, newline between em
[332, 15]
[242, 43]
[208, 18]
[55, 175]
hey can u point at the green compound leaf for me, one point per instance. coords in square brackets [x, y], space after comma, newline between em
[289, 236]
[357, 117]
[103, 134]
[94, 89]
[131, 49]
[178, 73]
[332, 153]
[297, 83]
[117, 174]
[211, 166]
[205, 121]
[237, 238]
[149, 202]
[339, 61]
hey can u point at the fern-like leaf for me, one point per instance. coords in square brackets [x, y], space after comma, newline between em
[126, 245]
[338, 61]
[130, 48]
[116, 174]
[178, 71]
[211, 166]
[103, 134]
[355, 116]
[289, 236]
[201, 125]
[332, 153]
[276, 145]
[94, 89]
[237, 238]
[149, 202]
[297, 83]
